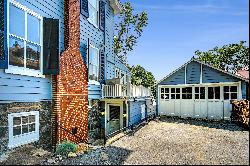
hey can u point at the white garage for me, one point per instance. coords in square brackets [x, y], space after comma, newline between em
[198, 90]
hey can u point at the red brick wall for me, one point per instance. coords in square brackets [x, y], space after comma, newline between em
[71, 91]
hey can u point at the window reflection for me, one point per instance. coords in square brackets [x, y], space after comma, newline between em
[33, 57]
[16, 52]
[33, 25]
[17, 21]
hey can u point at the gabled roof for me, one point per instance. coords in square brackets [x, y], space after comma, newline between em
[196, 60]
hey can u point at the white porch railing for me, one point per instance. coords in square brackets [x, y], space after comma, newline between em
[118, 90]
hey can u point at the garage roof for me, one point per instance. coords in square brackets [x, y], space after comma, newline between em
[196, 60]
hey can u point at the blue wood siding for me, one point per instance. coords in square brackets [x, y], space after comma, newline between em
[244, 89]
[18, 88]
[193, 73]
[176, 78]
[210, 75]
[97, 38]
[135, 111]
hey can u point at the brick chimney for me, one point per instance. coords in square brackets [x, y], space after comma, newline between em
[70, 87]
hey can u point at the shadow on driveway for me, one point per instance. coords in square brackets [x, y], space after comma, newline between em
[225, 125]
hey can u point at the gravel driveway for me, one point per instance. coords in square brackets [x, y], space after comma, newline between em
[174, 141]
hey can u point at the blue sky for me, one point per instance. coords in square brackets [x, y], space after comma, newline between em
[177, 28]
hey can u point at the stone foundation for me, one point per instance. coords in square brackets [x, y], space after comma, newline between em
[44, 109]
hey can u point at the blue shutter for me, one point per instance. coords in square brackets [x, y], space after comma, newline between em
[102, 15]
[51, 46]
[85, 8]
[3, 35]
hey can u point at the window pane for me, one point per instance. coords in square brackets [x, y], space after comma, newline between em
[173, 96]
[226, 88]
[32, 127]
[178, 90]
[233, 89]
[17, 21]
[197, 89]
[197, 96]
[16, 52]
[16, 130]
[33, 30]
[202, 96]
[233, 95]
[162, 90]
[184, 96]
[210, 93]
[25, 129]
[166, 96]
[202, 90]
[92, 15]
[217, 92]
[226, 96]
[162, 96]
[189, 90]
[93, 3]
[178, 96]
[16, 120]
[24, 119]
[31, 118]
[166, 90]
[172, 90]
[33, 57]
[184, 90]
[189, 96]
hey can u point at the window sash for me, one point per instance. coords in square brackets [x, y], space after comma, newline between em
[93, 12]
[25, 38]
[94, 63]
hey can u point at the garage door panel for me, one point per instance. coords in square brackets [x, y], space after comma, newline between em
[227, 110]
[215, 110]
[187, 107]
[200, 109]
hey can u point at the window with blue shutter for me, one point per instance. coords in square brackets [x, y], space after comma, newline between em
[102, 15]
[50, 46]
[3, 35]
[85, 8]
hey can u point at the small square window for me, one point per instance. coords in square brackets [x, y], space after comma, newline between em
[172, 96]
[226, 88]
[197, 96]
[16, 121]
[166, 90]
[172, 90]
[202, 96]
[197, 89]
[162, 96]
[178, 96]
[166, 96]
[16, 130]
[31, 118]
[24, 119]
[226, 96]
[25, 129]
[162, 90]
[178, 90]
[233, 89]
[31, 127]
[233, 95]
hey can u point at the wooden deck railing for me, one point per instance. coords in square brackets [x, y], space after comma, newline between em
[118, 90]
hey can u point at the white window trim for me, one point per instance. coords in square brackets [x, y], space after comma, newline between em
[23, 138]
[22, 70]
[97, 10]
[94, 82]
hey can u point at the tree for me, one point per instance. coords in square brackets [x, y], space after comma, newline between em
[128, 29]
[230, 57]
[139, 76]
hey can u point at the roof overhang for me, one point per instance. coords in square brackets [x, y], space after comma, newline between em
[116, 5]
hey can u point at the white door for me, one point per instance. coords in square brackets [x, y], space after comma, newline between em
[187, 102]
[215, 104]
[166, 105]
[229, 93]
[200, 104]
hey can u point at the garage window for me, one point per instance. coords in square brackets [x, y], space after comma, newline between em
[199, 92]
[165, 93]
[175, 93]
[187, 93]
[214, 92]
[230, 92]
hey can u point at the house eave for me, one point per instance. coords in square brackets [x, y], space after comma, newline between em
[116, 5]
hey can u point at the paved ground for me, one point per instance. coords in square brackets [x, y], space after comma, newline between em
[175, 141]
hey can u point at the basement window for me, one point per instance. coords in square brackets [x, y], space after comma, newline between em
[23, 128]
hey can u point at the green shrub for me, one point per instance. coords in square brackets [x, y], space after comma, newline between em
[65, 148]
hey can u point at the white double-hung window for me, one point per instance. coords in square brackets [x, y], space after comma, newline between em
[93, 12]
[93, 63]
[23, 128]
[25, 40]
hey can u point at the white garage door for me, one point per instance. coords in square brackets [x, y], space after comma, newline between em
[198, 101]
